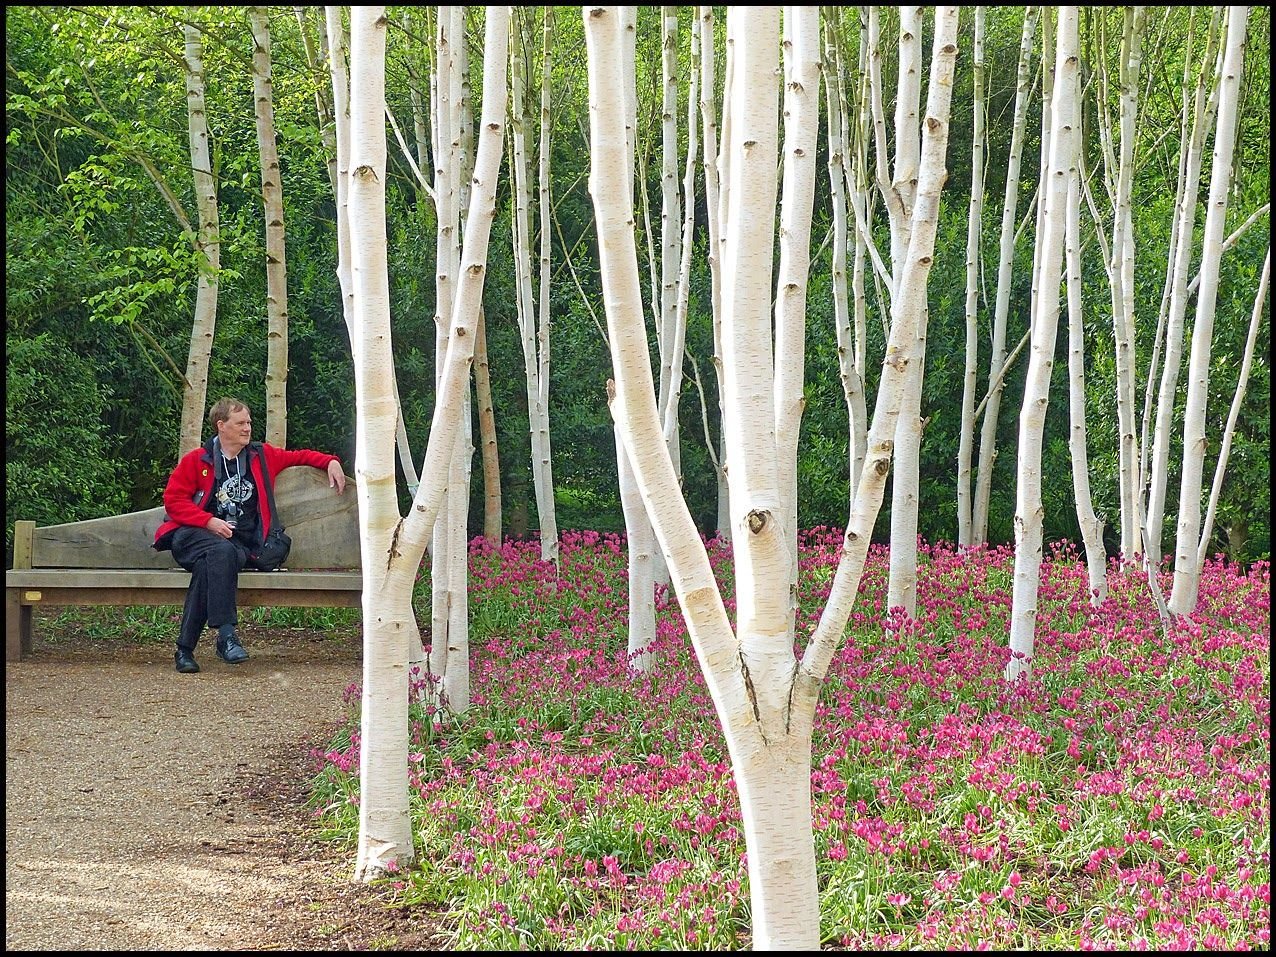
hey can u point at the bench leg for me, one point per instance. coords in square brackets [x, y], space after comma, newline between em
[17, 625]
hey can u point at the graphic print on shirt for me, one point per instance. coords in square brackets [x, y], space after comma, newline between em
[233, 494]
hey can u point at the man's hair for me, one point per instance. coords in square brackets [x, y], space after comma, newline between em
[221, 410]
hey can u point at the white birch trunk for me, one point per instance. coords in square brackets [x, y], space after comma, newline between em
[676, 340]
[385, 829]
[273, 204]
[1185, 221]
[538, 430]
[392, 546]
[1243, 379]
[1187, 569]
[801, 132]
[549, 517]
[974, 229]
[997, 361]
[641, 539]
[708, 118]
[1090, 525]
[339, 168]
[1122, 276]
[449, 175]
[1029, 513]
[764, 698]
[905, 478]
[207, 248]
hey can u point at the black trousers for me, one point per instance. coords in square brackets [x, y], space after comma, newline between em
[214, 563]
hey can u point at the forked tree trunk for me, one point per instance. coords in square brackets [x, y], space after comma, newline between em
[391, 546]
[1029, 513]
[207, 249]
[273, 204]
[764, 697]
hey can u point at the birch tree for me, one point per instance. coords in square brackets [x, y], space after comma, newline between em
[1029, 513]
[533, 311]
[207, 247]
[1120, 267]
[334, 118]
[1220, 469]
[273, 205]
[487, 438]
[899, 193]
[997, 359]
[801, 132]
[764, 696]
[708, 120]
[1187, 568]
[1090, 524]
[974, 229]
[392, 545]
[1204, 108]
[448, 659]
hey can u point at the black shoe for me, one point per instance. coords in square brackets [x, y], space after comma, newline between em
[186, 662]
[230, 650]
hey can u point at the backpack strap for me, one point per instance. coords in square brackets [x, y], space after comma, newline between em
[270, 487]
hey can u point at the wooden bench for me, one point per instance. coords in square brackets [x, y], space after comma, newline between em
[109, 561]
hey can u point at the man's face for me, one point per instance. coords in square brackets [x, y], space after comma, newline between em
[238, 429]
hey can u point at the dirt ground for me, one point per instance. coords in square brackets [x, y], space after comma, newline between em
[148, 810]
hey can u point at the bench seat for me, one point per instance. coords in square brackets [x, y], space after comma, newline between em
[108, 561]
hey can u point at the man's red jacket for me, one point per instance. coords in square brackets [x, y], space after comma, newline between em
[190, 487]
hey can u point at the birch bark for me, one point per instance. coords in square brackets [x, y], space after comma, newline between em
[391, 545]
[207, 248]
[1242, 381]
[801, 132]
[1090, 525]
[1029, 513]
[1203, 112]
[974, 229]
[487, 439]
[1187, 569]
[905, 477]
[764, 696]
[273, 204]
[997, 361]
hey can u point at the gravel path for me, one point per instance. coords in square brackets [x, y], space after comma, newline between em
[147, 810]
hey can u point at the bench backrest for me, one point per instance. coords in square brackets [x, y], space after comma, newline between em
[323, 526]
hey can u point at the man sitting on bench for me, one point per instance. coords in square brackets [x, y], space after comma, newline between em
[219, 515]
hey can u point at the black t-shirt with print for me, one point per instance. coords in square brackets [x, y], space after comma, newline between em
[235, 498]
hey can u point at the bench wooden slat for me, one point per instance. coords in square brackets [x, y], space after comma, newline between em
[79, 579]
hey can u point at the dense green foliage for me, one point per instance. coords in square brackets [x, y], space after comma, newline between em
[101, 279]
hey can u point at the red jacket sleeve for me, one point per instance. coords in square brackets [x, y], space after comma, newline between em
[278, 459]
[189, 479]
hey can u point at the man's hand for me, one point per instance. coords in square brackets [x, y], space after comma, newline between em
[218, 527]
[336, 476]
